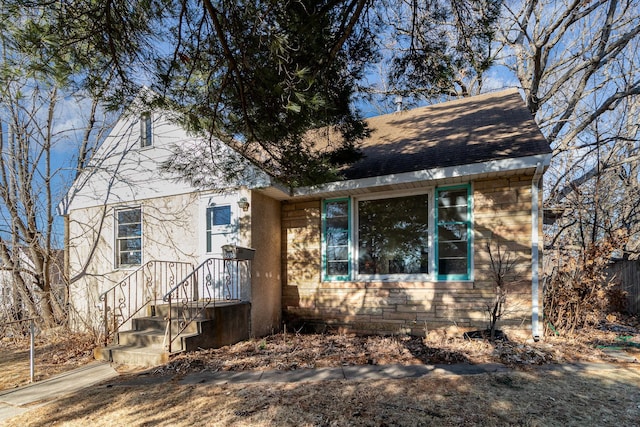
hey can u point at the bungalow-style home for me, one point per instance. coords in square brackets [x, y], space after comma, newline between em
[402, 244]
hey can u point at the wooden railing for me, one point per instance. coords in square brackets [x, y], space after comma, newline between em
[139, 290]
[213, 281]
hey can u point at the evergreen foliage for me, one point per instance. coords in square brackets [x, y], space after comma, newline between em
[258, 74]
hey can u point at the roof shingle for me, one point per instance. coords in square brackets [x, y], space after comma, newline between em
[493, 126]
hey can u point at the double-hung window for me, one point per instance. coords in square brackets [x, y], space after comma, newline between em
[128, 237]
[146, 130]
[398, 237]
[453, 217]
[337, 260]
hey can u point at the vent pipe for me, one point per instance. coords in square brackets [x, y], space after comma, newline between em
[398, 102]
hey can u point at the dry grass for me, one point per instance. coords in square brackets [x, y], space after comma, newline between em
[287, 352]
[525, 396]
[56, 352]
[536, 398]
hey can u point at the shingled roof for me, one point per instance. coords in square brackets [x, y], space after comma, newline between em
[493, 126]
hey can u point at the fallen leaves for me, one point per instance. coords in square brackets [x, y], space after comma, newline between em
[299, 351]
[55, 352]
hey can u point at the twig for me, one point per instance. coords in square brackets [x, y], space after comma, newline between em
[404, 408]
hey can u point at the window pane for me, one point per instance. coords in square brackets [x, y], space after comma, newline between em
[451, 214]
[129, 216]
[337, 238]
[130, 244]
[218, 215]
[335, 253]
[131, 258]
[337, 268]
[393, 235]
[453, 232]
[452, 266]
[452, 206]
[447, 232]
[128, 240]
[128, 230]
[452, 249]
[145, 130]
[452, 198]
[337, 209]
[339, 223]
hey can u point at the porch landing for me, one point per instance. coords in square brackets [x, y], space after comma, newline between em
[225, 323]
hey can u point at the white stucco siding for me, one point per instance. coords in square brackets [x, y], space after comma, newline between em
[122, 170]
[89, 248]
[170, 232]
[124, 175]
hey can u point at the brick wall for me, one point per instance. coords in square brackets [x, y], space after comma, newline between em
[502, 217]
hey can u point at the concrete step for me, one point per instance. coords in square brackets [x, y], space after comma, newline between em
[147, 347]
[192, 309]
[160, 324]
[142, 355]
[179, 311]
[133, 355]
[152, 336]
[141, 338]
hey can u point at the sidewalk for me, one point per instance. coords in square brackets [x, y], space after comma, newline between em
[17, 401]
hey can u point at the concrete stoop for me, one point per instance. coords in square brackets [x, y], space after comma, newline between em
[132, 355]
[146, 344]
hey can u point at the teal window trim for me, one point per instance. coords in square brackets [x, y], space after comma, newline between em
[325, 276]
[469, 229]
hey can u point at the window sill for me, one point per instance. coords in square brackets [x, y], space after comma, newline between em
[398, 284]
[127, 267]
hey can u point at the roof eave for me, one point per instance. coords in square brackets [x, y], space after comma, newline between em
[434, 176]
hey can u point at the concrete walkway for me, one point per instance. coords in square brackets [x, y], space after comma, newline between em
[17, 401]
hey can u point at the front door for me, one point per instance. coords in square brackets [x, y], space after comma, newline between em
[221, 228]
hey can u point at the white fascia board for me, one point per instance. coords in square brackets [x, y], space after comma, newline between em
[493, 167]
[271, 188]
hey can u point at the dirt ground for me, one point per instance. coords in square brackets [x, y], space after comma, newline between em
[529, 395]
[60, 351]
[286, 352]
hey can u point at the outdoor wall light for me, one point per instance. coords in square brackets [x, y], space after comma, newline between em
[243, 204]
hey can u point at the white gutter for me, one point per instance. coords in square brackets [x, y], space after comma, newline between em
[461, 171]
[536, 307]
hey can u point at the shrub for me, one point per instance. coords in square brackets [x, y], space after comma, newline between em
[579, 292]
